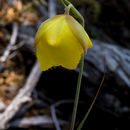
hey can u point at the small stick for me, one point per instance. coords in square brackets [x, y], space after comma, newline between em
[11, 44]
[22, 97]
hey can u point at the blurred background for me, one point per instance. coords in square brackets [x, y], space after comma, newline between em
[31, 99]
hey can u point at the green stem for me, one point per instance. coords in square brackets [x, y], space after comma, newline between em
[67, 9]
[91, 106]
[62, 2]
[76, 13]
[77, 93]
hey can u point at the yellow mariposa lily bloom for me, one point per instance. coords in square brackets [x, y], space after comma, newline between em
[61, 41]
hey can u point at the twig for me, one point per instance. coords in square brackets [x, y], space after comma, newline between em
[54, 118]
[12, 55]
[22, 97]
[53, 112]
[43, 121]
[19, 45]
[2, 106]
[12, 42]
[10, 46]
[63, 102]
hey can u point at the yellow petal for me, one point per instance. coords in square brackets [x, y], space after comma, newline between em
[79, 32]
[57, 45]
[44, 27]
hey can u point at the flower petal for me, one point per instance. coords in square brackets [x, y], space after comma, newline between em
[79, 32]
[45, 27]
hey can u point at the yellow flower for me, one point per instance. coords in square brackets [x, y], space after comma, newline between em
[61, 41]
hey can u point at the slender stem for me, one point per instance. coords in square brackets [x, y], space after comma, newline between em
[77, 93]
[91, 106]
[76, 13]
[67, 9]
[62, 2]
